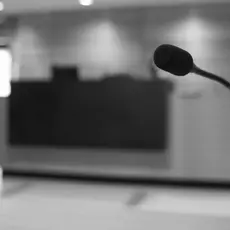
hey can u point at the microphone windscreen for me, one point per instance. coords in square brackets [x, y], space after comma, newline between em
[173, 60]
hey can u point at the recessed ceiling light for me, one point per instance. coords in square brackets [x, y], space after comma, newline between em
[1, 6]
[86, 2]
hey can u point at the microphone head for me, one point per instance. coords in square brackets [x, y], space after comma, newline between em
[173, 60]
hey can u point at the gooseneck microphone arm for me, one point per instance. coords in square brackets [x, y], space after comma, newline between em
[211, 76]
[179, 62]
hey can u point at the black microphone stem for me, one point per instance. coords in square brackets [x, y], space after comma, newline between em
[211, 76]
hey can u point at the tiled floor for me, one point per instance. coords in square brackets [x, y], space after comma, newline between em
[42, 205]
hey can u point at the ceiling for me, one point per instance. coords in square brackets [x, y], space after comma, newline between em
[20, 6]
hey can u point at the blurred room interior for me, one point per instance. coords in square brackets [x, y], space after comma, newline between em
[86, 98]
[81, 97]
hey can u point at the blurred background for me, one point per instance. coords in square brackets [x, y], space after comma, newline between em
[80, 98]
[85, 97]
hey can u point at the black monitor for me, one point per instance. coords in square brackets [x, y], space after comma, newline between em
[64, 73]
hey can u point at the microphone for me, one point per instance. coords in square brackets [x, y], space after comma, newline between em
[179, 62]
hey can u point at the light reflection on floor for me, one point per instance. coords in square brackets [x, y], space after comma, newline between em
[40, 205]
